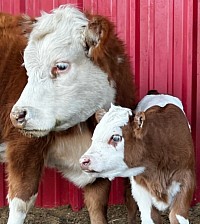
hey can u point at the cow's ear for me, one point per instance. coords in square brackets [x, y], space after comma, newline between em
[139, 119]
[95, 35]
[99, 114]
[27, 23]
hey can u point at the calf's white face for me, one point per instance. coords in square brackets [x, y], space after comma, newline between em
[64, 87]
[105, 157]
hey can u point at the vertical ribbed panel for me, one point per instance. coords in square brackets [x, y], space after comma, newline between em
[162, 38]
[3, 188]
[196, 91]
[12, 6]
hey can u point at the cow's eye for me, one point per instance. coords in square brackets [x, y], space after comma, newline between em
[115, 139]
[62, 66]
[59, 68]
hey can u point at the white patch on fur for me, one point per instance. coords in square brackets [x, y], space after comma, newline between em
[182, 220]
[120, 60]
[159, 100]
[2, 152]
[145, 200]
[2, 147]
[121, 171]
[173, 190]
[18, 209]
[58, 103]
[105, 159]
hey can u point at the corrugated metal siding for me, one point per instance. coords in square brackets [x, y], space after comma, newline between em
[163, 40]
[196, 92]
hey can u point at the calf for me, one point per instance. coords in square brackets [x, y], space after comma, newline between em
[154, 148]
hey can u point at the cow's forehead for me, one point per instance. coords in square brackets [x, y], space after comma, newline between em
[112, 122]
[55, 37]
[65, 18]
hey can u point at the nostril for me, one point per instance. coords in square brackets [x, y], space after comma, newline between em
[21, 116]
[85, 163]
[18, 117]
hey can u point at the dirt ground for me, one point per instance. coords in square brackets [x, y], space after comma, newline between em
[64, 215]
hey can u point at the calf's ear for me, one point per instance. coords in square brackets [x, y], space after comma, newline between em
[139, 119]
[99, 114]
[138, 124]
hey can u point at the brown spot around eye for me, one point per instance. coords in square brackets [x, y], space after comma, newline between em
[111, 142]
[54, 72]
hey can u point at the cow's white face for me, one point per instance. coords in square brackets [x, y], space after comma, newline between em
[105, 157]
[64, 87]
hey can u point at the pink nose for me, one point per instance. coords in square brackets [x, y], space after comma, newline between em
[18, 118]
[85, 162]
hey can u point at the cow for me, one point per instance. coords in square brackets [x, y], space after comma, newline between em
[56, 72]
[152, 145]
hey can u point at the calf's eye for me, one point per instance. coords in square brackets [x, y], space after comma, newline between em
[115, 139]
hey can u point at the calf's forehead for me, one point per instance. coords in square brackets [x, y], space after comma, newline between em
[111, 123]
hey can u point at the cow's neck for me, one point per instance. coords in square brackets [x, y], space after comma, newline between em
[68, 146]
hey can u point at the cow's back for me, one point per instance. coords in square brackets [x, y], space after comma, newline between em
[168, 136]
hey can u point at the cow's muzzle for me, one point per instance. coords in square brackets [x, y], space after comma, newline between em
[18, 117]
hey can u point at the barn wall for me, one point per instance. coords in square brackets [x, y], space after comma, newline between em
[163, 40]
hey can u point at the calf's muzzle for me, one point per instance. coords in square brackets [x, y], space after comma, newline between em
[84, 163]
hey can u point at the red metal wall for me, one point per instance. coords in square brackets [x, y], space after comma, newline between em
[163, 40]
